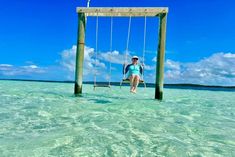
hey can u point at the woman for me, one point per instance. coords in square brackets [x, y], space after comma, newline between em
[134, 71]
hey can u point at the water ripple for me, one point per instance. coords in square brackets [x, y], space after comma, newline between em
[45, 119]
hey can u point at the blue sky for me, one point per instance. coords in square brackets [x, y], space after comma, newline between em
[37, 40]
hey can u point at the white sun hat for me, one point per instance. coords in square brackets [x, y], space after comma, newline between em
[135, 57]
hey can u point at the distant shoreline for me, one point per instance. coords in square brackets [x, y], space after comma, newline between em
[180, 85]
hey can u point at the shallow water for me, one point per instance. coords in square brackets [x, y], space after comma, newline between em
[46, 119]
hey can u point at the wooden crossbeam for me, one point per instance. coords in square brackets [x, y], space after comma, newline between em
[124, 11]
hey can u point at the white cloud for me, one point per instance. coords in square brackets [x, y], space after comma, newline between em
[91, 65]
[6, 65]
[68, 59]
[218, 69]
[114, 57]
[148, 67]
[63, 71]
[31, 66]
[10, 70]
[99, 66]
[172, 65]
[117, 58]
[154, 59]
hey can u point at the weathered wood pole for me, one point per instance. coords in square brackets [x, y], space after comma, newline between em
[160, 57]
[80, 53]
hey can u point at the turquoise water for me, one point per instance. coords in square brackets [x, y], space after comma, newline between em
[45, 119]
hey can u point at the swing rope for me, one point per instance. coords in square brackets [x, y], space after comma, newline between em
[127, 46]
[96, 48]
[111, 45]
[144, 46]
[111, 48]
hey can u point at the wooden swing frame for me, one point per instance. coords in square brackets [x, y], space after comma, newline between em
[160, 12]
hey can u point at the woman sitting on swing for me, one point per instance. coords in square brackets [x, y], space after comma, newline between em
[134, 71]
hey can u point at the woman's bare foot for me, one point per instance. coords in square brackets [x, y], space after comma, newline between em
[134, 91]
[131, 89]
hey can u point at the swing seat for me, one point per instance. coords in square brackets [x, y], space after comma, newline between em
[101, 85]
[128, 80]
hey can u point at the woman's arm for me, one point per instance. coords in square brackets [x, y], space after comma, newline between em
[127, 68]
[141, 69]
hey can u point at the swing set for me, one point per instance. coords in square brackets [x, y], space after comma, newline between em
[124, 79]
[120, 12]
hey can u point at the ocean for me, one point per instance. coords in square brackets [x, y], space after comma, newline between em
[45, 119]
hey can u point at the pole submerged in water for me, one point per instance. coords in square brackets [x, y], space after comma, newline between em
[160, 57]
[80, 54]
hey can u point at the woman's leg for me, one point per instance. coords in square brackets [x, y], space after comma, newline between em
[136, 82]
[131, 78]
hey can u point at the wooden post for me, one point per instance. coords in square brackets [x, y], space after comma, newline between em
[80, 54]
[160, 57]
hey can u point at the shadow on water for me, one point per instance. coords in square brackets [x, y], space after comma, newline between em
[98, 98]
[101, 98]
[91, 97]
[78, 95]
[100, 101]
[60, 95]
[94, 97]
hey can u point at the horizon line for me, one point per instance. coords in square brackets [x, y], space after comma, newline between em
[117, 83]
